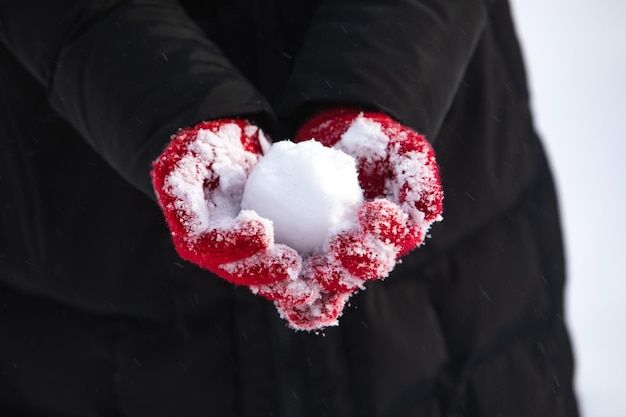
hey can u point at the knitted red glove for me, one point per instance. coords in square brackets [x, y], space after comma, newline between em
[398, 174]
[401, 184]
[199, 179]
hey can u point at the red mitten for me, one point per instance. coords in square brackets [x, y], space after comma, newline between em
[199, 180]
[403, 197]
[401, 184]
[395, 164]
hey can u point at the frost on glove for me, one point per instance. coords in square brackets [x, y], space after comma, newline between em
[199, 179]
[207, 171]
[400, 180]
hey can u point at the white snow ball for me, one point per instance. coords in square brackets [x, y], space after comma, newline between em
[305, 189]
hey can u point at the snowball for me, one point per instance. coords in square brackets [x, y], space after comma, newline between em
[304, 189]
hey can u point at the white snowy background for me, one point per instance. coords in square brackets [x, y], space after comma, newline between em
[576, 59]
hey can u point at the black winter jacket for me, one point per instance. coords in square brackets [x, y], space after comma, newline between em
[98, 315]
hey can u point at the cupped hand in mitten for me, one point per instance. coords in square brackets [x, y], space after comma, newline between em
[400, 181]
[401, 184]
[199, 179]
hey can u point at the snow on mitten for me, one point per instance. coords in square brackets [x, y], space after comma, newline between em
[402, 188]
[399, 179]
[199, 180]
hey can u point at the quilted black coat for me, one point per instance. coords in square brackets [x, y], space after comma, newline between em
[98, 315]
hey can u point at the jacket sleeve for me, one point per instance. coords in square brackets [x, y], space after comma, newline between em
[126, 74]
[403, 57]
